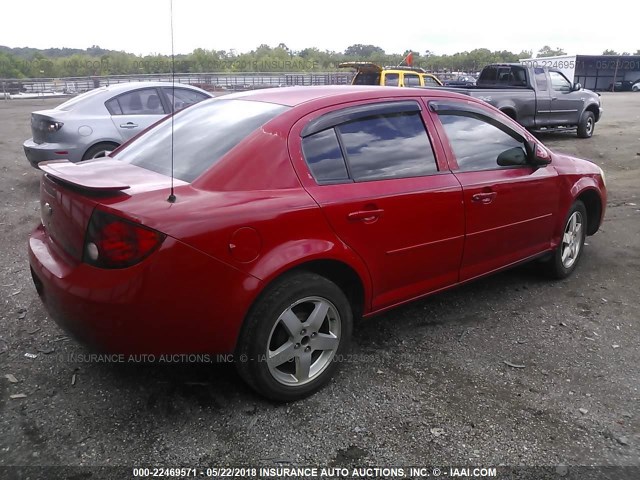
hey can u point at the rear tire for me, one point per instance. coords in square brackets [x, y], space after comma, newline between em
[294, 337]
[586, 125]
[566, 256]
[99, 150]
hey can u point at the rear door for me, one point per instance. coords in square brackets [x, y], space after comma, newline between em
[134, 111]
[566, 105]
[509, 210]
[386, 192]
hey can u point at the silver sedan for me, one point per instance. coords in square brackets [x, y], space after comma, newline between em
[100, 120]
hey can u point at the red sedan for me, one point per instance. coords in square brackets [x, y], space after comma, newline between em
[262, 223]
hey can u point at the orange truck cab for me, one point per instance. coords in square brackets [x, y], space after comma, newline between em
[371, 74]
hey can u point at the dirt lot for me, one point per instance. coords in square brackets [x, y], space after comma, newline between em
[427, 384]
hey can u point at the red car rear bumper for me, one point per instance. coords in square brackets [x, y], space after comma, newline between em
[178, 300]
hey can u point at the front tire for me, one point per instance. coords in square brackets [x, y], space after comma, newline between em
[566, 256]
[294, 337]
[586, 125]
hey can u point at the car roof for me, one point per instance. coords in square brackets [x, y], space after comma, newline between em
[294, 96]
[120, 87]
[89, 99]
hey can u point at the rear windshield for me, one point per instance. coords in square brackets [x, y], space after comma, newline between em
[511, 75]
[202, 134]
[69, 104]
[367, 78]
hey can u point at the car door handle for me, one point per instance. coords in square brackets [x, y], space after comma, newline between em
[483, 198]
[554, 98]
[365, 215]
[128, 125]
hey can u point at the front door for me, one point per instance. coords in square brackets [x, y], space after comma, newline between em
[509, 209]
[566, 104]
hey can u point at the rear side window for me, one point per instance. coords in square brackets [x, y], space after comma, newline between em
[145, 101]
[324, 156]
[388, 146]
[391, 79]
[376, 147]
[201, 135]
[411, 80]
[541, 79]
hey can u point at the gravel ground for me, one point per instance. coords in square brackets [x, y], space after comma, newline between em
[426, 384]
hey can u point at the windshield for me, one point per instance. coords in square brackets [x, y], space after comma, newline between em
[202, 134]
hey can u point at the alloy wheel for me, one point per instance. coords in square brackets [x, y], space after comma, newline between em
[572, 240]
[303, 341]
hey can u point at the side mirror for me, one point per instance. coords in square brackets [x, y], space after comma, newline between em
[577, 86]
[537, 156]
[512, 157]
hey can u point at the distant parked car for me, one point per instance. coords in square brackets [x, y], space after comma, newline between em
[625, 86]
[100, 120]
[461, 81]
[399, 76]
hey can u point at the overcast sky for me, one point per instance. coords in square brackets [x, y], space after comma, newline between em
[143, 26]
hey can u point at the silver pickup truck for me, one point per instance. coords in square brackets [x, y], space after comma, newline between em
[540, 99]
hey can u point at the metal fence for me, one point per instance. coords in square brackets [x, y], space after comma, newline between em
[208, 81]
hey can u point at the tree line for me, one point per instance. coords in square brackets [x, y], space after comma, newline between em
[95, 61]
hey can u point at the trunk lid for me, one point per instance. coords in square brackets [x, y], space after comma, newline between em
[69, 192]
[366, 67]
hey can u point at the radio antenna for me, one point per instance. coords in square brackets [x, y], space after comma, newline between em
[172, 196]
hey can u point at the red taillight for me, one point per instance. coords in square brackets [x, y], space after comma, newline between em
[113, 242]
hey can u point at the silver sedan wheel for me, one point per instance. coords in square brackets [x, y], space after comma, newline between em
[303, 341]
[572, 240]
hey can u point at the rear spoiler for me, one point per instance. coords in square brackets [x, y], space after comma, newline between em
[90, 175]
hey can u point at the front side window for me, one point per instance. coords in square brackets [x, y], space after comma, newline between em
[411, 80]
[559, 83]
[391, 79]
[200, 136]
[145, 101]
[180, 98]
[429, 81]
[479, 144]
